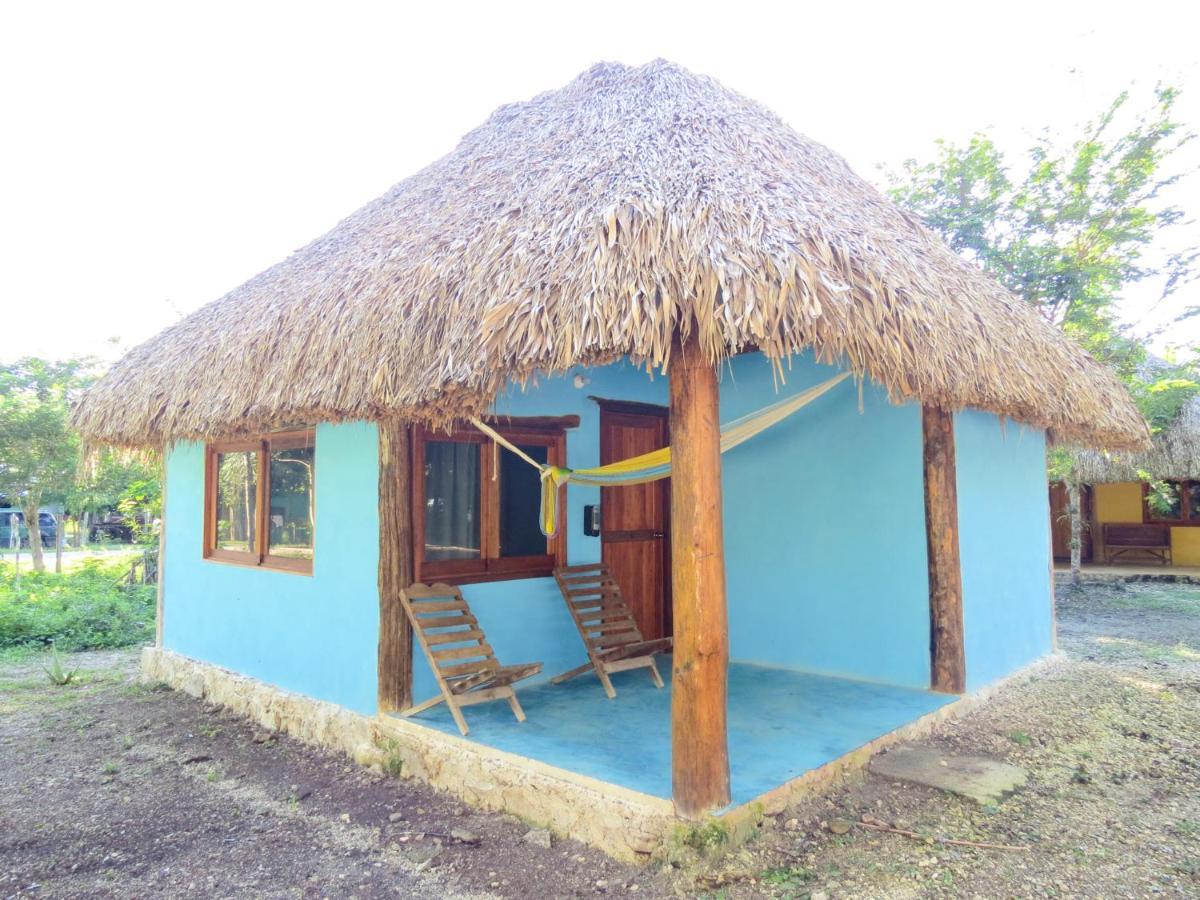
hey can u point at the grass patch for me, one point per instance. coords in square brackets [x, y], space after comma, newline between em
[84, 609]
[705, 838]
[1112, 648]
[789, 878]
[1177, 599]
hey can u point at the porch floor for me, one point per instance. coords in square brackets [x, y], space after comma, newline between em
[782, 723]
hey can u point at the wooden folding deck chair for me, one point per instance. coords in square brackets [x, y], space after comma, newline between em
[613, 640]
[461, 658]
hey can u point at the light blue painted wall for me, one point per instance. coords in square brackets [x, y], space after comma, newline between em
[313, 634]
[825, 530]
[1004, 542]
[526, 620]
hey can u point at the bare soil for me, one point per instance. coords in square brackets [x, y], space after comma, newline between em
[113, 788]
[1110, 735]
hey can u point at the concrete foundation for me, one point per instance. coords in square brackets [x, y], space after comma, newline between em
[625, 823]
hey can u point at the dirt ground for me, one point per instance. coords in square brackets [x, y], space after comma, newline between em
[1110, 734]
[113, 788]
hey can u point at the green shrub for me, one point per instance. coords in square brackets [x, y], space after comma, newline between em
[84, 609]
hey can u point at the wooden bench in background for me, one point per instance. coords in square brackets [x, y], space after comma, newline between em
[1154, 540]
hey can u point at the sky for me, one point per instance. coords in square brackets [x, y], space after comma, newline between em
[153, 157]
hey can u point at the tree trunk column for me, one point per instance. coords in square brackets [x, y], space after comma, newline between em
[395, 566]
[948, 665]
[161, 565]
[1075, 515]
[700, 754]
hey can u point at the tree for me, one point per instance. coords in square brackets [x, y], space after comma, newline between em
[129, 483]
[38, 448]
[1070, 233]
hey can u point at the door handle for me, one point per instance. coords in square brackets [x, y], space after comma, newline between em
[658, 534]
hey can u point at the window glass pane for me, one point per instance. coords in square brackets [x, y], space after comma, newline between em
[1164, 500]
[452, 492]
[1193, 488]
[291, 502]
[520, 501]
[237, 500]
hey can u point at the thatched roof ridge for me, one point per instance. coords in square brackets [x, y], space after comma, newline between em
[590, 223]
[1174, 453]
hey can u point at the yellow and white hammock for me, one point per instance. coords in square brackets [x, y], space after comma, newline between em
[656, 464]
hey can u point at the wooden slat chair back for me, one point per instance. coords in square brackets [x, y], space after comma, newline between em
[610, 633]
[461, 658]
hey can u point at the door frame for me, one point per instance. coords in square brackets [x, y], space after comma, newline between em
[634, 408]
[1058, 490]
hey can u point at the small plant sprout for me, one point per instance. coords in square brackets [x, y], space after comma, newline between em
[55, 671]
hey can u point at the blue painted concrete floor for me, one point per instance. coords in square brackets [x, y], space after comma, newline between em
[782, 723]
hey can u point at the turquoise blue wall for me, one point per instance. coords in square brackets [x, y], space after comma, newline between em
[315, 634]
[824, 529]
[825, 548]
[1004, 541]
[526, 620]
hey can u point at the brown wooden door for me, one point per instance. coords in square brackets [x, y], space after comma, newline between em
[1060, 521]
[635, 519]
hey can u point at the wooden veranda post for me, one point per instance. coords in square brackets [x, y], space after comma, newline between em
[161, 565]
[395, 566]
[948, 666]
[699, 748]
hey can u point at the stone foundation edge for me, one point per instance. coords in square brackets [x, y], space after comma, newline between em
[625, 824]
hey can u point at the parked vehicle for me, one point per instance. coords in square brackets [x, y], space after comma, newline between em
[47, 525]
[114, 526]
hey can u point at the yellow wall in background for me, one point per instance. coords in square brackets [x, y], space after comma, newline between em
[1185, 546]
[1118, 502]
[1123, 503]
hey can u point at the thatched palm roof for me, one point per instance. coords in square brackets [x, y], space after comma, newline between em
[1174, 453]
[590, 223]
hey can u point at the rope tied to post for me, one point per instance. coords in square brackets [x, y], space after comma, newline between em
[656, 464]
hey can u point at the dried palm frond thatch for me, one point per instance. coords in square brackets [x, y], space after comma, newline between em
[1174, 453]
[595, 222]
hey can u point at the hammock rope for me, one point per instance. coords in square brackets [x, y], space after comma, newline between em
[656, 464]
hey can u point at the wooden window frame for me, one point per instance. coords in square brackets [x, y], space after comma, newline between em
[261, 557]
[490, 566]
[1185, 504]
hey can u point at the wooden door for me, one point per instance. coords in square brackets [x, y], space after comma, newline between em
[635, 519]
[1060, 521]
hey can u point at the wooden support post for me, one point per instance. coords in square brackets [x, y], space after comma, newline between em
[395, 566]
[699, 745]
[161, 575]
[1053, 595]
[948, 666]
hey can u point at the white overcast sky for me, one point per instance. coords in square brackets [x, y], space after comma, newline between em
[153, 157]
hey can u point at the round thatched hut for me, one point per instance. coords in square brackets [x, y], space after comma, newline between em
[1137, 506]
[884, 546]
